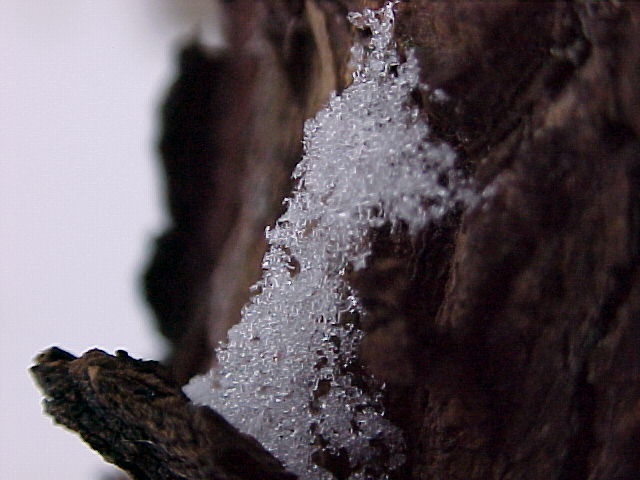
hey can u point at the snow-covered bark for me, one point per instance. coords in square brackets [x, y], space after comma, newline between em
[284, 374]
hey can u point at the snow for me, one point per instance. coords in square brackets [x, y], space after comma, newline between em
[284, 375]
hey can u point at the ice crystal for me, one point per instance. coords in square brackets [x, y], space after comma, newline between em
[284, 374]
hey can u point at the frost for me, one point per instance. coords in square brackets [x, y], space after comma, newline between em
[285, 374]
[439, 96]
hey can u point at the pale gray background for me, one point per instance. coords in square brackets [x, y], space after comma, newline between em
[79, 197]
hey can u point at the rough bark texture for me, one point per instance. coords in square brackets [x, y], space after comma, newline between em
[137, 417]
[232, 133]
[508, 334]
[525, 352]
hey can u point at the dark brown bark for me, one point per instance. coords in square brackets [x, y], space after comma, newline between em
[521, 325]
[137, 417]
[509, 334]
[231, 135]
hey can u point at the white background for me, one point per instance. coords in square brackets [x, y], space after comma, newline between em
[80, 200]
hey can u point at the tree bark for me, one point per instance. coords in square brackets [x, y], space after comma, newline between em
[525, 352]
[509, 334]
[137, 417]
[231, 135]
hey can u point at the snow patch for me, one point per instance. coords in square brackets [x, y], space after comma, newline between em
[285, 374]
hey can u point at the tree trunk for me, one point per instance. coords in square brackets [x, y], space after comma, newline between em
[508, 335]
